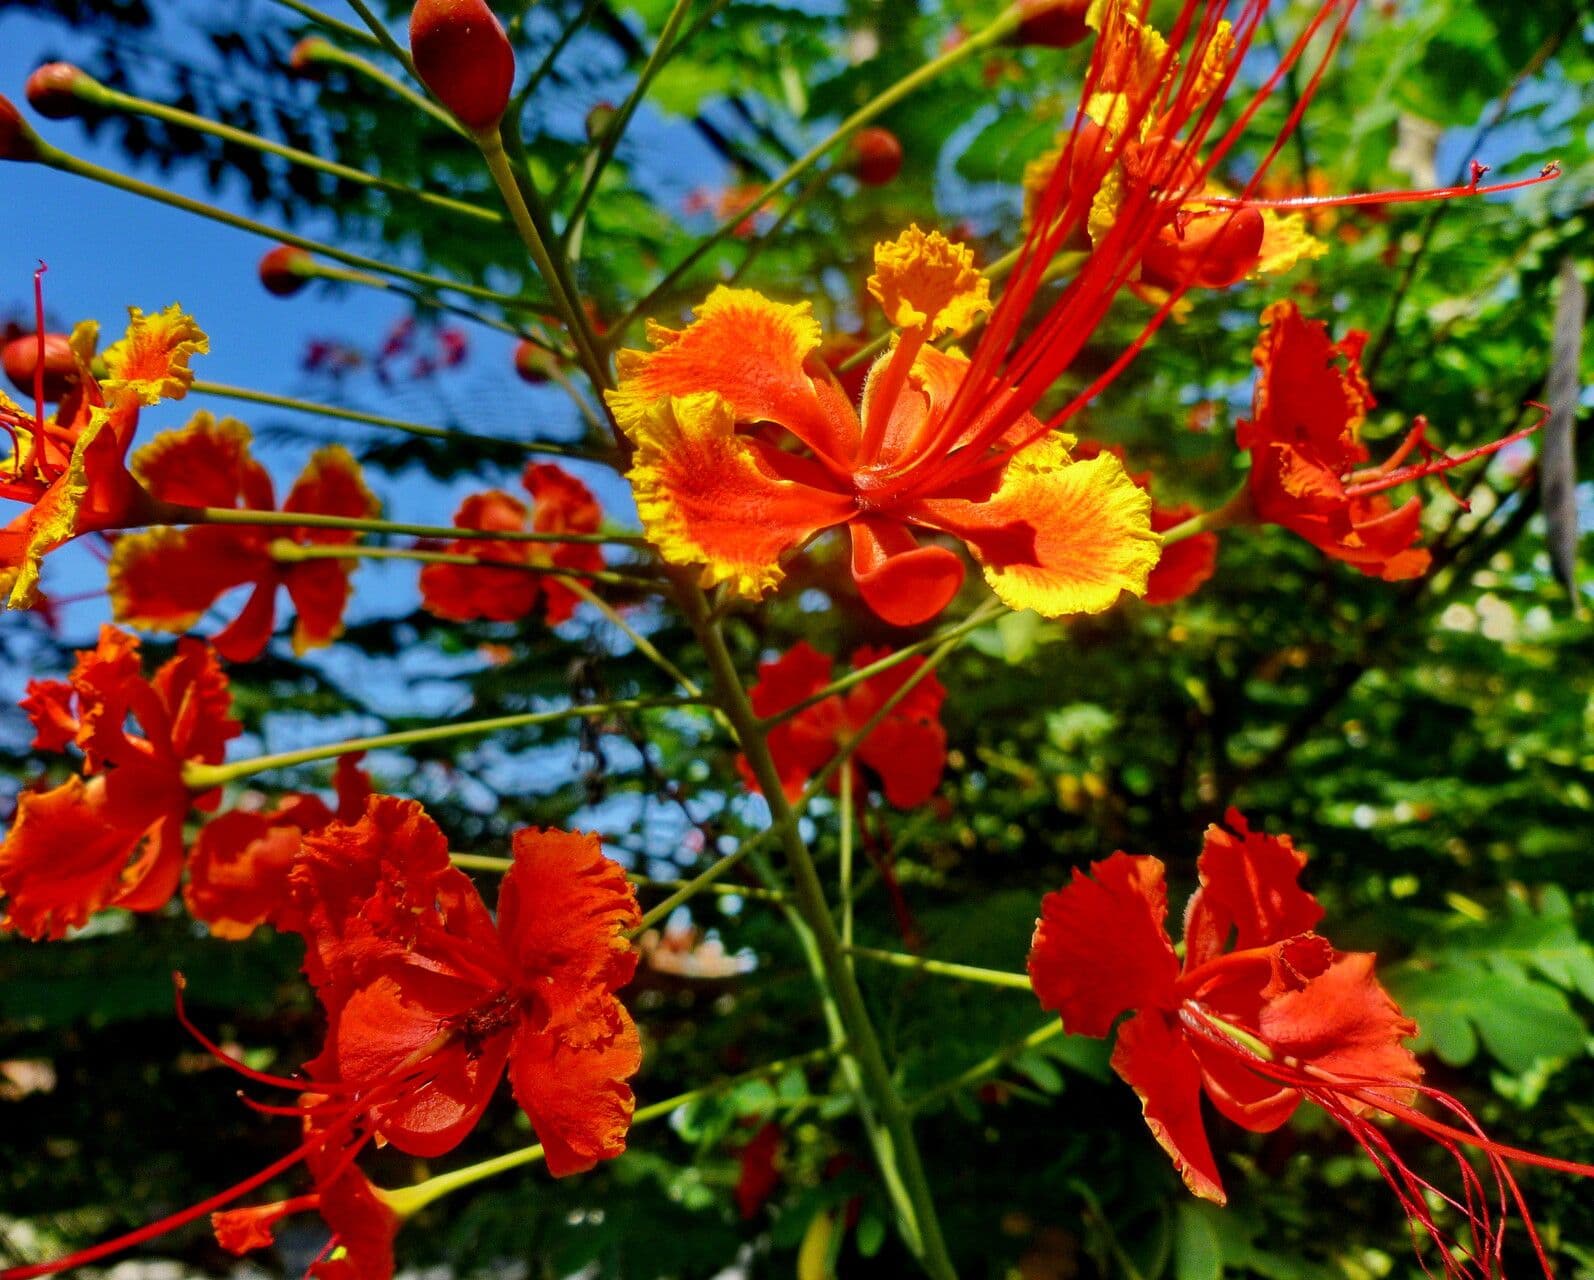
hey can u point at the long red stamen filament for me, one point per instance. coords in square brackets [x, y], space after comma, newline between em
[1549, 173]
[38, 332]
[1365, 483]
[227, 1060]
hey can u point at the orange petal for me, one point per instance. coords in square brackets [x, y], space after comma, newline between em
[1101, 948]
[1185, 566]
[332, 484]
[800, 744]
[1055, 536]
[320, 591]
[903, 583]
[753, 353]
[206, 463]
[576, 1096]
[238, 871]
[562, 503]
[709, 496]
[164, 579]
[151, 362]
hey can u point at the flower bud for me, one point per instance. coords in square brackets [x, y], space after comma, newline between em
[599, 120]
[306, 54]
[53, 90]
[534, 364]
[286, 270]
[1052, 24]
[20, 357]
[17, 139]
[463, 56]
[876, 156]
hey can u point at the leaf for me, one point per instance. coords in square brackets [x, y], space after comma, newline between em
[1198, 1254]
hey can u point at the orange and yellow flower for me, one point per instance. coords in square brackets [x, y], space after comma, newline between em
[165, 579]
[746, 448]
[71, 469]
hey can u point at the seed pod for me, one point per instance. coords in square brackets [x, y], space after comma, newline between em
[876, 156]
[52, 90]
[17, 139]
[1052, 24]
[463, 56]
[20, 357]
[285, 270]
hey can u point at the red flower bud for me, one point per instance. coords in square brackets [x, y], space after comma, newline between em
[876, 156]
[306, 54]
[533, 363]
[1053, 24]
[463, 56]
[20, 357]
[17, 139]
[52, 90]
[286, 270]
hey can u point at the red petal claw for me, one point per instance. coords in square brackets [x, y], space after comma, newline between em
[903, 582]
[1156, 1061]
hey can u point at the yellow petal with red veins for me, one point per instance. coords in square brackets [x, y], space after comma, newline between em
[151, 362]
[1056, 536]
[710, 497]
[925, 280]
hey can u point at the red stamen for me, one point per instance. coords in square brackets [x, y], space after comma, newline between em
[1432, 466]
[38, 329]
[1549, 173]
[227, 1060]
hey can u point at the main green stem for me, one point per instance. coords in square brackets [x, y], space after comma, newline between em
[863, 1044]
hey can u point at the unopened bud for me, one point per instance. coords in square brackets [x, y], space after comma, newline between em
[1052, 24]
[286, 270]
[599, 120]
[534, 364]
[53, 90]
[307, 53]
[20, 357]
[463, 56]
[876, 156]
[17, 139]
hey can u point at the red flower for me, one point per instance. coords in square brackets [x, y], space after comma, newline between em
[362, 1222]
[238, 870]
[165, 579]
[906, 750]
[429, 1001]
[1261, 1014]
[758, 1175]
[113, 837]
[70, 470]
[563, 504]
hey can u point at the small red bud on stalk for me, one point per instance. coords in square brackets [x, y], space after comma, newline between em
[534, 364]
[17, 139]
[1052, 24]
[52, 90]
[876, 156]
[599, 120]
[285, 270]
[306, 54]
[463, 56]
[20, 357]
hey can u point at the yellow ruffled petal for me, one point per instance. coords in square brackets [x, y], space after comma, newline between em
[85, 341]
[924, 280]
[1285, 241]
[709, 497]
[1056, 536]
[151, 362]
[55, 515]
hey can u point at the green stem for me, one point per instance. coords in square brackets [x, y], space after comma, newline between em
[805, 193]
[227, 392]
[978, 618]
[286, 551]
[895, 1144]
[90, 90]
[564, 301]
[945, 968]
[384, 37]
[1238, 509]
[409, 1200]
[697, 884]
[328, 52]
[172, 513]
[981, 40]
[644, 646]
[622, 118]
[844, 804]
[988, 1067]
[347, 30]
[68, 163]
[486, 862]
[204, 777]
[320, 271]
